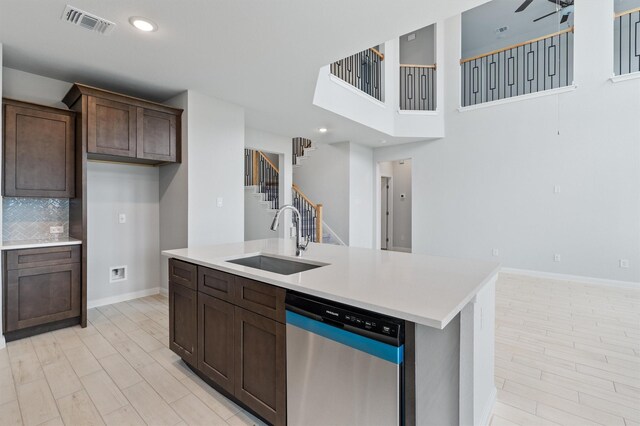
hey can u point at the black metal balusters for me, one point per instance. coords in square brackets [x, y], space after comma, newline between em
[627, 42]
[362, 70]
[418, 87]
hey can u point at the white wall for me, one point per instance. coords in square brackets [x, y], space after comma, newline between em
[361, 182]
[324, 178]
[132, 190]
[420, 50]
[216, 170]
[490, 182]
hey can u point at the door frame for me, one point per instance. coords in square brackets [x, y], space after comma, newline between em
[377, 223]
[389, 243]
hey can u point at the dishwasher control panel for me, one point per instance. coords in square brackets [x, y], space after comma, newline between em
[346, 316]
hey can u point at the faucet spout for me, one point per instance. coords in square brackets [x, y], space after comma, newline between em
[301, 243]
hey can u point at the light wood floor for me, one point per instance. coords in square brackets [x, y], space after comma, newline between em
[117, 371]
[566, 353]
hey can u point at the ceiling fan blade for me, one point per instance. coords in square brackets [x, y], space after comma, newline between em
[524, 5]
[564, 18]
[545, 16]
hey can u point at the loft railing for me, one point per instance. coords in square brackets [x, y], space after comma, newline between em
[627, 42]
[362, 70]
[299, 146]
[261, 172]
[417, 87]
[311, 215]
[533, 66]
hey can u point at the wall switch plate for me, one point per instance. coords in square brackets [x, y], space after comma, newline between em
[624, 263]
[495, 252]
[556, 258]
[556, 189]
[56, 229]
[117, 273]
[219, 202]
[122, 218]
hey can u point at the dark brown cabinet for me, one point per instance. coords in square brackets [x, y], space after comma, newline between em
[215, 341]
[241, 339]
[261, 365]
[126, 129]
[42, 286]
[39, 145]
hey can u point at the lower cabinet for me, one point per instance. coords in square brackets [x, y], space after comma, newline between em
[215, 340]
[239, 348]
[183, 322]
[41, 286]
[260, 353]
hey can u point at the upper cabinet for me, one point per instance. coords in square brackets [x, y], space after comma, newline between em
[127, 129]
[39, 145]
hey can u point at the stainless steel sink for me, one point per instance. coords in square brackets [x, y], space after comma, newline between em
[275, 264]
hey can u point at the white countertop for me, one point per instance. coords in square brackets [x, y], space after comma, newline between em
[27, 244]
[427, 290]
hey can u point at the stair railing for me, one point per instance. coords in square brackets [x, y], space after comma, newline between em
[298, 147]
[627, 41]
[311, 215]
[417, 87]
[362, 70]
[260, 171]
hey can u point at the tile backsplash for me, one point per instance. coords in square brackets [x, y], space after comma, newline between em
[30, 218]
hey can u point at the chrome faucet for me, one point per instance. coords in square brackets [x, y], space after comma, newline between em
[301, 243]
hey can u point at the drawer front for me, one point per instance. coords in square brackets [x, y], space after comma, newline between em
[41, 295]
[217, 284]
[183, 273]
[263, 299]
[48, 256]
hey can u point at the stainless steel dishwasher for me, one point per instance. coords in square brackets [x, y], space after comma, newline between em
[344, 365]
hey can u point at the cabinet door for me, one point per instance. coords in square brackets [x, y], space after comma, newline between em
[183, 322]
[156, 135]
[215, 340]
[41, 295]
[261, 365]
[38, 152]
[111, 128]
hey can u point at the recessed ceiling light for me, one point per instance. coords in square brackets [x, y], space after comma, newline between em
[143, 24]
[323, 130]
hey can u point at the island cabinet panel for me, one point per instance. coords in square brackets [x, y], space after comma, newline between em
[261, 365]
[38, 151]
[217, 284]
[183, 322]
[264, 299]
[156, 135]
[215, 341]
[111, 128]
[183, 273]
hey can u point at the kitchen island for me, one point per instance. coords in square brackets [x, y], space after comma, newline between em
[447, 304]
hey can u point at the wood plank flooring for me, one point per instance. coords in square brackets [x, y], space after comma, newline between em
[567, 353]
[117, 371]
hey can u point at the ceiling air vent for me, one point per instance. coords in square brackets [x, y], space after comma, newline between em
[78, 17]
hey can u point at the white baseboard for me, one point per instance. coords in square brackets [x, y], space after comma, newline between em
[164, 291]
[488, 409]
[575, 278]
[3, 343]
[401, 249]
[122, 297]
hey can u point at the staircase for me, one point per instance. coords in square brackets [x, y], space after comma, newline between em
[261, 184]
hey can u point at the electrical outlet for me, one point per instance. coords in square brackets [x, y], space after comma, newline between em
[556, 258]
[495, 252]
[624, 263]
[122, 218]
[56, 229]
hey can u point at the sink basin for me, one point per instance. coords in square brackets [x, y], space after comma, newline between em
[275, 264]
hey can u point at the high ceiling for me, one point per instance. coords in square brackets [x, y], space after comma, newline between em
[261, 54]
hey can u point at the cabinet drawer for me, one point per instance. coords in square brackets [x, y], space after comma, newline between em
[216, 283]
[183, 273]
[263, 299]
[37, 296]
[33, 258]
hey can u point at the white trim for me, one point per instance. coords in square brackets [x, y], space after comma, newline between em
[355, 90]
[625, 77]
[164, 291]
[519, 98]
[122, 297]
[333, 233]
[574, 278]
[488, 409]
[417, 112]
[3, 343]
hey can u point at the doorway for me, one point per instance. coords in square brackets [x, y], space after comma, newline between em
[395, 207]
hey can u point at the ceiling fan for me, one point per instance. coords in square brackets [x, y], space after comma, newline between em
[564, 7]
